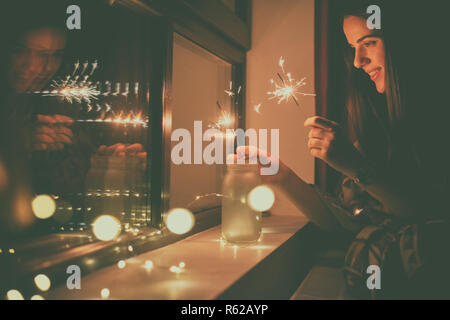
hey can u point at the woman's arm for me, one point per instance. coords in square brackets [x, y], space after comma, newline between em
[406, 198]
[306, 199]
[302, 194]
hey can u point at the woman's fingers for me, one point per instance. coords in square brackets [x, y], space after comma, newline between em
[46, 119]
[133, 149]
[321, 122]
[319, 133]
[64, 130]
[44, 138]
[59, 118]
[63, 138]
[317, 143]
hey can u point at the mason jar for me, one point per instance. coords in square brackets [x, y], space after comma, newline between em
[240, 223]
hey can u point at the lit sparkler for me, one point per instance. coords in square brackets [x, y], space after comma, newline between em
[73, 91]
[230, 92]
[121, 118]
[225, 120]
[288, 88]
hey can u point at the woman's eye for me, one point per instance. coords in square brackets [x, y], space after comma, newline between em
[369, 43]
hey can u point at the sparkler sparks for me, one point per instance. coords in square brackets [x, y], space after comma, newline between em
[225, 120]
[230, 92]
[75, 87]
[129, 119]
[257, 108]
[70, 92]
[288, 87]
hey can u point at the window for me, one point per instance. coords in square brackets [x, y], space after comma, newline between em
[197, 96]
[87, 123]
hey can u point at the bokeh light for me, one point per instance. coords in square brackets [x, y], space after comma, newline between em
[148, 265]
[179, 220]
[43, 206]
[42, 282]
[105, 293]
[14, 294]
[106, 228]
[37, 297]
[261, 198]
[121, 264]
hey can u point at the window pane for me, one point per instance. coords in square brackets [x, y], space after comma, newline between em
[75, 107]
[199, 82]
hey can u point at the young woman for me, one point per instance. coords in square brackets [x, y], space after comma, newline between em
[394, 145]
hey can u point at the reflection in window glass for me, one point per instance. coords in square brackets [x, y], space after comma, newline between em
[199, 82]
[74, 112]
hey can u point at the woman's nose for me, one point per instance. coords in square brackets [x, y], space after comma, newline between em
[360, 58]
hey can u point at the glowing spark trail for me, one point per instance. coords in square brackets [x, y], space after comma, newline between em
[257, 108]
[94, 67]
[85, 65]
[129, 119]
[76, 65]
[288, 88]
[230, 92]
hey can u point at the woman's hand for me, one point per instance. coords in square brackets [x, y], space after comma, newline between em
[327, 142]
[264, 159]
[52, 132]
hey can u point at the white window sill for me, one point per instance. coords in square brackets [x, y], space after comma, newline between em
[211, 266]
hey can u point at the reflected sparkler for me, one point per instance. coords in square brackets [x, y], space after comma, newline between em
[225, 120]
[121, 118]
[75, 87]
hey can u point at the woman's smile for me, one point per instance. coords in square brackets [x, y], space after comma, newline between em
[374, 73]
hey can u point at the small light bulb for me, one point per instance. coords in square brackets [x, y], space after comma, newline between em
[42, 282]
[43, 206]
[148, 264]
[180, 221]
[106, 228]
[14, 295]
[105, 293]
[261, 198]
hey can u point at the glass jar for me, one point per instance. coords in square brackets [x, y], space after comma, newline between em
[240, 223]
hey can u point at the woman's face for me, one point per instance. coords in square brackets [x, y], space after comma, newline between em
[35, 59]
[369, 50]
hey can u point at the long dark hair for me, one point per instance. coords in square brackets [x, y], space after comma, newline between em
[380, 123]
